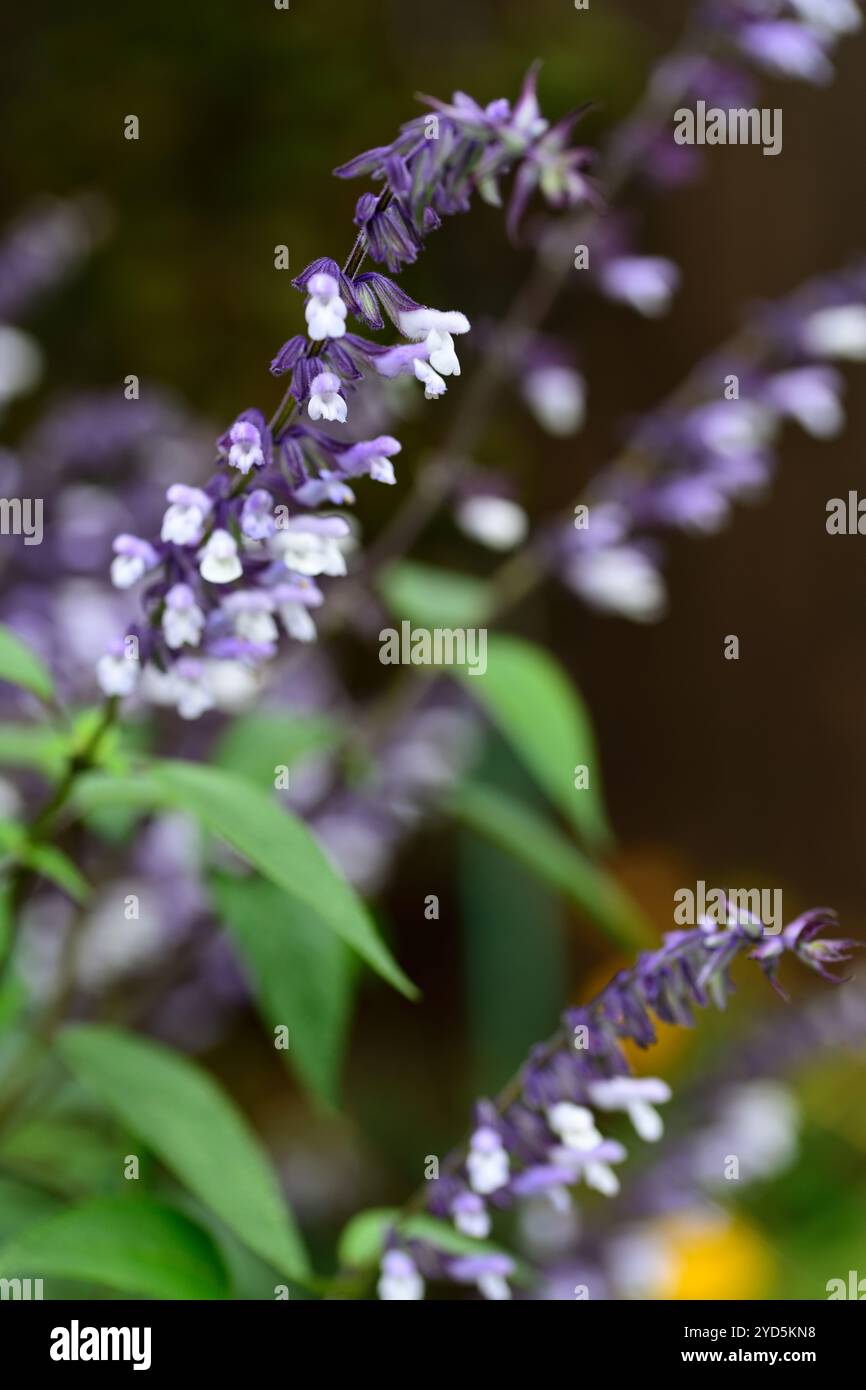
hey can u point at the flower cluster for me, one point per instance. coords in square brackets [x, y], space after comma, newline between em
[245, 557]
[548, 1137]
[439, 161]
[691, 460]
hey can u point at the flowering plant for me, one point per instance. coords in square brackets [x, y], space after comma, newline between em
[269, 796]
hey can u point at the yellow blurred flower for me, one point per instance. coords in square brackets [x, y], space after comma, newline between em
[711, 1255]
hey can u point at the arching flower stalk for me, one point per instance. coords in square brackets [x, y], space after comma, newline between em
[546, 1133]
[244, 559]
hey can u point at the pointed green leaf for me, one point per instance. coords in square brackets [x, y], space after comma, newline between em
[59, 869]
[21, 666]
[543, 718]
[184, 1117]
[360, 1243]
[300, 974]
[22, 1205]
[542, 848]
[276, 842]
[431, 597]
[255, 744]
[132, 1244]
[32, 745]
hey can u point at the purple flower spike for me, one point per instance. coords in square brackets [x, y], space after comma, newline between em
[546, 1138]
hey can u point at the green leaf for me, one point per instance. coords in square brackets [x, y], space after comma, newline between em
[180, 1112]
[54, 865]
[132, 1244]
[541, 715]
[277, 843]
[360, 1244]
[20, 666]
[32, 746]
[300, 974]
[21, 1204]
[443, 1236]
[255, 744]
[13, 836]
[542, 848]
[515, 940]
[68, 1153]
[46, 860]
[430, 597]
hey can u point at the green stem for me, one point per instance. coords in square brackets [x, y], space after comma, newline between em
[82, 760]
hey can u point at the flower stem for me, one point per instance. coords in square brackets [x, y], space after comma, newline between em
[82, 760]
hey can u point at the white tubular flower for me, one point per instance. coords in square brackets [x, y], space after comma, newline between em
[400, 1281]
[471, 1216]
[418, 323]
[637, 1095]
[252, 617]
[810, 395]
[246, 450]
[584, 1149]
[601, 1178]
[306, 549]
[325, 402]
[489, 1273]
[592, 1164]
[644, 283]
[732, 428]
[20, 363]
[126, 570]
[232, 684]
[496, 522]
[188, 688]
[219, 560]
[183, 523]
[325, 311]
[833, 17]
[297, 621]
[433, 384]
[837, 332]
[183, 620]
[441, 353]
[132, 559]
[575, 1126]
[435, 328]
[117, 674]
[620, 579]
[494, 1287]
[487, 1163]
[556, 395]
